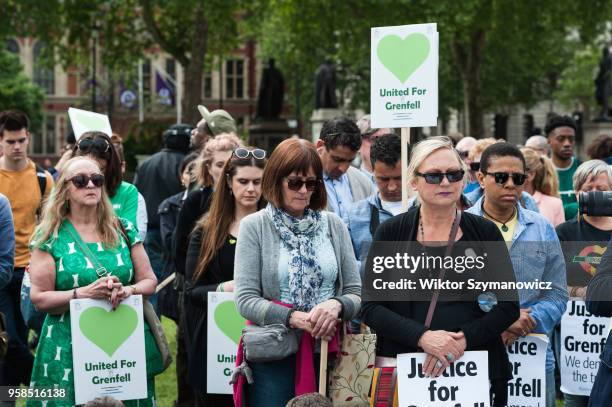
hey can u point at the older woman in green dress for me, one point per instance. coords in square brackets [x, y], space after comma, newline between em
[79, 209]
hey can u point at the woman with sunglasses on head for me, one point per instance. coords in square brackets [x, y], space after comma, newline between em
[78, 228]
[533, 245]
[437, 173]
[210, 257]
[294, 266]
[208, 170]
[123, 195]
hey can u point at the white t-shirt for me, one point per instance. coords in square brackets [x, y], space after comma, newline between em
[395, 208]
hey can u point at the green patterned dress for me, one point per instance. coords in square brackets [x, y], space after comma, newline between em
[53, 363]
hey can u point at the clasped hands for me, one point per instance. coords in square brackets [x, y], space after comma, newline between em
[107, 288]
[521, 327]
[442, 348]
[320, 321]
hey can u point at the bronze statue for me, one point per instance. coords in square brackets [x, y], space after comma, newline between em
[271, 92]
[603, 84]
[325, 86]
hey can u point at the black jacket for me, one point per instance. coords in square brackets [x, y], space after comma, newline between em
[157, 179]
[196, 304]
[195, 205]
[599, 302]
[400, 324]
[168, 300]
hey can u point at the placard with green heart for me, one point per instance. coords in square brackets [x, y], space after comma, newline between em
[229, 321]
[402, 57]
[108, 330]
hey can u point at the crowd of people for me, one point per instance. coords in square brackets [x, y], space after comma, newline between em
[289, 232]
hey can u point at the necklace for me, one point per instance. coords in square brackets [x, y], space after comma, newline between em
[504, 228]
[422, 232]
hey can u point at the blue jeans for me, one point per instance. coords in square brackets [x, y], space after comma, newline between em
[18, 362]
[274, 382]
[153, 247]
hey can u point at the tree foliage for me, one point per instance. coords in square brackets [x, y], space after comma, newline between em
[17, 91]
[494, 54]
[188, 30]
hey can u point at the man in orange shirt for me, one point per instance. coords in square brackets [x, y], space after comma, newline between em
[25, 185]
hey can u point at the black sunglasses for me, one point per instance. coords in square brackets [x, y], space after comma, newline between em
[296, 184]
[437, 177]
[502, 177]
[82, 180]
[99, 145]
[257, 153]
[474, 166]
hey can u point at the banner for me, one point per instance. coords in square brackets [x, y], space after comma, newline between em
[224, 330]
[83, 121]
[464, 383]
[404, 76]
[528, 358]
[165, 91]
[108, 349]
[583, 337]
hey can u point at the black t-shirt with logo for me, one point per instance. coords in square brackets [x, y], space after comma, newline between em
[583, 246]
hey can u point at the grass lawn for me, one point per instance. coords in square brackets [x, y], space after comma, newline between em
[165, 384]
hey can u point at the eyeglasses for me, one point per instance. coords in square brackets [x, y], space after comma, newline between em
[82, 180]
[437, 177]
[474, 166]
[296, 184]
[502, 177]
[257, 153]
[99, 145]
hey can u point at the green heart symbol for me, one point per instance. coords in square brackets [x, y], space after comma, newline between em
[403, 57]
[108, 329]
[229, 321]
[91, 122]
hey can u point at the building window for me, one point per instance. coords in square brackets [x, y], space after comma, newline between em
[43, 141]
[207, 86]
[234, 79]
[43, 75]
[50, 136]
[12, 46]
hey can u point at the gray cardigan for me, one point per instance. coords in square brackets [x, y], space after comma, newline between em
[256, 270]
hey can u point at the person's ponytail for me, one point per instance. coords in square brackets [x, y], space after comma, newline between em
[548, 182]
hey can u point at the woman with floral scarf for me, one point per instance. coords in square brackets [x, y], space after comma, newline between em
[294, 266]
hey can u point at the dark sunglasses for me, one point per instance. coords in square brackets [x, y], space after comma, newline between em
[82, 180]
[474, 166]
[99, 145]
[502, 177]
[257, 153]
[437, 177]
[463, 154]
[296, 184]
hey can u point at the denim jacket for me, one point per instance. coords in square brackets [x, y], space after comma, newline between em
[526, 200]
[359, 224]
[536, 253]
[7, 243]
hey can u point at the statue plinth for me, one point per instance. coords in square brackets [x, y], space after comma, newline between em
[320, 116]
[268, 133]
